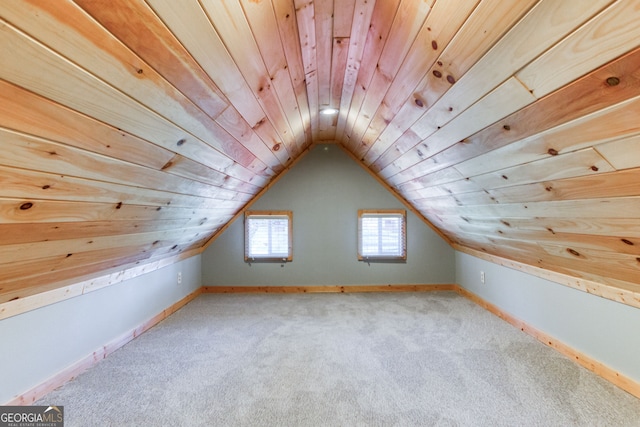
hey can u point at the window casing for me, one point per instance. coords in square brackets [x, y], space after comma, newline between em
[382, 234]
[268, 236]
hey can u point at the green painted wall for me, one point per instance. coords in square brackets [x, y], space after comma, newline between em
[325, 190]
[43, 342]
[604, 330]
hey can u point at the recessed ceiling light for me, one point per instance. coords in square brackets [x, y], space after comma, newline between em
[328, 111]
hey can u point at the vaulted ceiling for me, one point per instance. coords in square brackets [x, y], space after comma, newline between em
[132, 131]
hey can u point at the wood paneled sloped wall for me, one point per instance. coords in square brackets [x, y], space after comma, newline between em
[132, 131]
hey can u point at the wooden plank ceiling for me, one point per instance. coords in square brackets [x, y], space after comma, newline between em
[133, 130]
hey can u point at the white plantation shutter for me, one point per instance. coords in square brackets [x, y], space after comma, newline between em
[268, 235]
[382, 234]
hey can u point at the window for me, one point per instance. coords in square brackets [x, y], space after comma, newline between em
[267, 236]
[382, 234]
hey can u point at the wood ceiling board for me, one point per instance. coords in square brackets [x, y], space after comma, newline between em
[623, 228]
[63, 273]
[434, 178]
[583, 96]
[382, 19]
[323, 12]
[29, 153]
[262, 22]
[29, 184]
[27, 112]
[35, 210]
[623, 153]
[28, 251]
[87, 265]
[502, 61]
[624, 245]
[91, 47]
[290, 39]
[138, 27]
[360, 33]
[338, 69]
[329, 122]
[41, 232]
[423, 168]
[333, 50]
[442, 22]
[401, 145]
[603, 264]
[508, 97]
[578, 163]
[343, 18]
[457, 192]
[262, 138]
[453, 194]
[410, 166]
[611, 33]
[504, 247]
[67, 84]
[406, 27]
[615, 184]
[608, 124]
[304, 13]
[460, 42]
[275, 96]
[187, 168]
[592, 270]
[33, 272]
[191, 26]
[623, 207]
[590, 264]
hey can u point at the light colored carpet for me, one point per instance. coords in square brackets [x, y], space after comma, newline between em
[428, 359]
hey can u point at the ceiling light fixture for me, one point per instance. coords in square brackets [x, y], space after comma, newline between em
[328, 111]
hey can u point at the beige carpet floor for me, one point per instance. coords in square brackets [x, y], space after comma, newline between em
[406, 359]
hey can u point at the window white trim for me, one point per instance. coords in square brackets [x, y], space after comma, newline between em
[382, 234]
[268, 236]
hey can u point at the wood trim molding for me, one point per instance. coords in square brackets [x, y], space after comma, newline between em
[66, 375]
[619, 294]
[325, 289]
[609, 374]
[61, 291]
